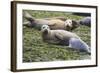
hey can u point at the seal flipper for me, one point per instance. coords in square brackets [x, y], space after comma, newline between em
[80, 45]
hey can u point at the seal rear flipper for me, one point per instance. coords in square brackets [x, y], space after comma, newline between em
[80, 45]
[28, 16]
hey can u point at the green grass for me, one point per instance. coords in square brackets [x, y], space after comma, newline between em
[35, 50]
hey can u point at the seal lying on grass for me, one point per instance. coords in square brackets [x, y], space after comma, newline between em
[63, 37]
[86, 21]
[56, 36]
[53, 23]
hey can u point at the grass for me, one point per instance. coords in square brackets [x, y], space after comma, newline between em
[35, 50]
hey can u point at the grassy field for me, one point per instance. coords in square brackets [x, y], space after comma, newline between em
[35, 50]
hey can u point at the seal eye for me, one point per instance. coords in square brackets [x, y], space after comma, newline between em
[43, 27]
[70, 22]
